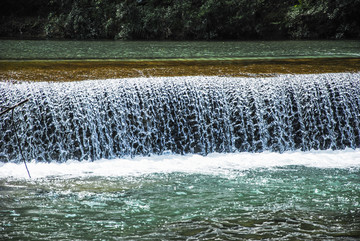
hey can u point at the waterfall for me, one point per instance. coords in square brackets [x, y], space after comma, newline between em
[91, 120]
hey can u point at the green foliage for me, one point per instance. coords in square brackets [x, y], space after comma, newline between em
[182, 19]
[324, 19]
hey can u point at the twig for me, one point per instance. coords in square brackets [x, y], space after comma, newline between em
[13, 107]
[14, 127]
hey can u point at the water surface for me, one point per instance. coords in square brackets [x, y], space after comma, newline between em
[242, 196]
[84, 60]
[52, 50]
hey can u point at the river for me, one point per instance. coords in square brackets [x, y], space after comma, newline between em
[180, 157]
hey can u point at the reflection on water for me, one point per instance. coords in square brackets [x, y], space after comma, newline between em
[26, 49]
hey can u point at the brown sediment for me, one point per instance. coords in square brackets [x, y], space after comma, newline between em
[75, 70]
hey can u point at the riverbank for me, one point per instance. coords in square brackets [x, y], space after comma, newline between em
[77, 70]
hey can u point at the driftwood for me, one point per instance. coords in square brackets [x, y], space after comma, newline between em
[17, 138]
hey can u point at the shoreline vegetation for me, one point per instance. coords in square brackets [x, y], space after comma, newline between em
[78, 70]
[180, 19]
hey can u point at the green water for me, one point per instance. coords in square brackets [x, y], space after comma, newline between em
[285, 203]
[27, 49]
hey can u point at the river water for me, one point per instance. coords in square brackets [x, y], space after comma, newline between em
[243, 196]
[55, 50]
[182, 158]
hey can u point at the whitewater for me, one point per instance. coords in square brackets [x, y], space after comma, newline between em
[110, 119]
[213, 164]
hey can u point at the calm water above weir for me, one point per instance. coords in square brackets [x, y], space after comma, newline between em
[181, 158]
[84, 60]
[27, 49]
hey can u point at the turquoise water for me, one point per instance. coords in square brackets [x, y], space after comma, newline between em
[243, 196]
[161, 195]
[27, 49]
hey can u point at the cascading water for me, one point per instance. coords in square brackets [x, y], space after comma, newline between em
[91, 120]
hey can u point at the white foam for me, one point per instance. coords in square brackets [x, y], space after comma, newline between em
[213, 164]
